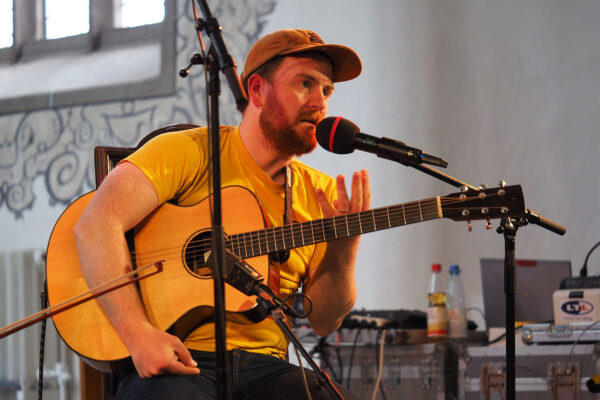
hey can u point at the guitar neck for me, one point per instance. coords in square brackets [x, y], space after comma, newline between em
[265, 241]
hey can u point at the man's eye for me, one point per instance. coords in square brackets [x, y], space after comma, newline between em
[326, 92]
[306, 84]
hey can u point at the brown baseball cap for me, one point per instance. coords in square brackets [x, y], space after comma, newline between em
[346, 63]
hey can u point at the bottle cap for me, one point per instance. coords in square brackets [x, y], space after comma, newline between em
[436, 267]
[454, 270]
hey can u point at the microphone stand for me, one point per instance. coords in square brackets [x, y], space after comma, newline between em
[508, 227]
[218, 60]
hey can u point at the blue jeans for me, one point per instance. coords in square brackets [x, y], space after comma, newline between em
[253, 376]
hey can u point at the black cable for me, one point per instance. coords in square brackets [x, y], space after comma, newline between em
[44, 304]
[325, 358]
[583, 271]
[499, 338]
[348, 381]
[340, 363]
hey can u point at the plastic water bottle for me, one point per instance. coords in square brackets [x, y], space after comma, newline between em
[457, 311]
[436, 313]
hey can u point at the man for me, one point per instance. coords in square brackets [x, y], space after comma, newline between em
[289, 76]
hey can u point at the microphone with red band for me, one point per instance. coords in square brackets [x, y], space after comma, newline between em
[340, 136]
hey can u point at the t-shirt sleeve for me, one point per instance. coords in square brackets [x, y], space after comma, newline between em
[171, 161]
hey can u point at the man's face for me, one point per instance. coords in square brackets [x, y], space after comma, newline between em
[296, 101]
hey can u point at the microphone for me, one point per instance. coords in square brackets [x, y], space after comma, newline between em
[340, 136]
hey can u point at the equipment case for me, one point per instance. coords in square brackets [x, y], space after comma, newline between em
[444, 371]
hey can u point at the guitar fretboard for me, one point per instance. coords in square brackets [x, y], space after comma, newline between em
[265, 241]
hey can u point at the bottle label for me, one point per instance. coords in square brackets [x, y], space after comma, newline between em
[437, 321]
[457, 323]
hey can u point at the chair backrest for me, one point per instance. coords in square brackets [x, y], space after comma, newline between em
[103, 385]
[107, 157]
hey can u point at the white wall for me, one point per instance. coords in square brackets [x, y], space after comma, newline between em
[502, 90]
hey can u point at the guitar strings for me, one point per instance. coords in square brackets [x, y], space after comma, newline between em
[351, 224]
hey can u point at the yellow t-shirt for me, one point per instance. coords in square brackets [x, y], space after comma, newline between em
[177, 165]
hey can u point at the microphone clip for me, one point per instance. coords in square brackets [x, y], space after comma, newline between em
[240, 275]
[396, 150]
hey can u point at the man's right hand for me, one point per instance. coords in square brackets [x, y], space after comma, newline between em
[155, 352]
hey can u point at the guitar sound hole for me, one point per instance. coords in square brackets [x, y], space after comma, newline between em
[196, 253]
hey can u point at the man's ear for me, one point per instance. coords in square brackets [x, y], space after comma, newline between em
[257, 86]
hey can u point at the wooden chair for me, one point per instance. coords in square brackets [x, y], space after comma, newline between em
[97, 385]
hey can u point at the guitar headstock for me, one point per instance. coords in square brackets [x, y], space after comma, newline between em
[502, 201]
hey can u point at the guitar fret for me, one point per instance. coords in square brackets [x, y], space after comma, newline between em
[239, 240]
[259, 248]
[244, 236]
[266, 240]
[232, 246]
[360, 223]
[347, 229]
[334, 228]
[387, 212]
[403, 214]
[382, 219]
[420, 214]
[374, 222]
[369, 222]
[251, 244]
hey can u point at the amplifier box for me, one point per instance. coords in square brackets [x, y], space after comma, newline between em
[576, 305]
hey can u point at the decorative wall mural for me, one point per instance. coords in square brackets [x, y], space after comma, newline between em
[57, 144]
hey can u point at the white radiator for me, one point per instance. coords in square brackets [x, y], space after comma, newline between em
[22, 275]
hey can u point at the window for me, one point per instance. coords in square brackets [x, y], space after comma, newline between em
[66, 18]
[6, 23]
[65, 52]
[139, 12]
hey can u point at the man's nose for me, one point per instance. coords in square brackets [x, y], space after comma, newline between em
[318, 100]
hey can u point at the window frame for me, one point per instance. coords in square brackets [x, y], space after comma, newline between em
[27, 45]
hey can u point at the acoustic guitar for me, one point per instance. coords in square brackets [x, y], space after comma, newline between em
[180, 298]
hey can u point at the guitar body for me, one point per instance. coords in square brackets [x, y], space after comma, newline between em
[177, 300]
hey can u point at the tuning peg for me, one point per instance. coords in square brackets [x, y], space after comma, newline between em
[469, 225]
[488, 226]
[463, 190]
[483, 186]
[501, 183]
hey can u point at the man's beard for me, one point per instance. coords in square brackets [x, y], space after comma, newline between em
[284, 136]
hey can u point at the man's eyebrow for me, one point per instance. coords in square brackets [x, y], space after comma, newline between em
[328, 85]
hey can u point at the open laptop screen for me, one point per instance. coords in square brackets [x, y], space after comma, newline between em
[536, 282]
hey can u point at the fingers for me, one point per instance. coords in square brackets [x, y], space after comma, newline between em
[165, 354]
[366, 190]
[360, 200]
[175, 367]
[185, 364]
[361, 192]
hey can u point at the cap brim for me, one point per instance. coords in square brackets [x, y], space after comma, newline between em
[346, 63]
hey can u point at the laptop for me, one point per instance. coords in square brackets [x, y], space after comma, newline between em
[536, 282]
